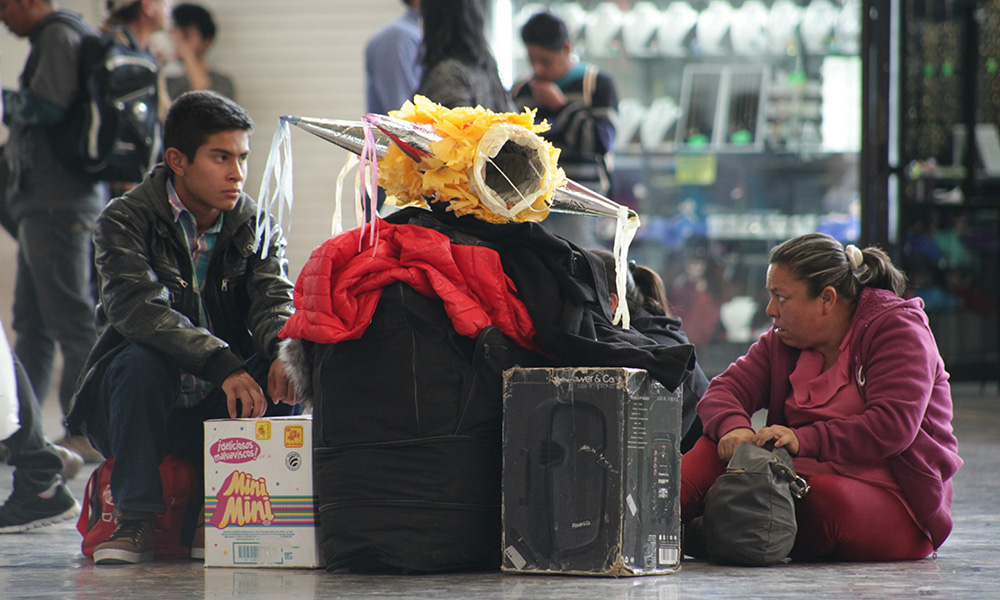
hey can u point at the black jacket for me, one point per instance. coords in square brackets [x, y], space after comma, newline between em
[667, 331]
[147, 296]
[565, 290]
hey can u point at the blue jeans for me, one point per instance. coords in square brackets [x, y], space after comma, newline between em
[53, 298]
[138, 406]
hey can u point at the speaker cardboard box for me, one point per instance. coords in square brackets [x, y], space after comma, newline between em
[260, 508]
[591, 478]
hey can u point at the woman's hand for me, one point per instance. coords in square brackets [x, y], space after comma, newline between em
[782, 436]
[729, 442]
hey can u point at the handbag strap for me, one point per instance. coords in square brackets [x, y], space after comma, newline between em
[796, 484]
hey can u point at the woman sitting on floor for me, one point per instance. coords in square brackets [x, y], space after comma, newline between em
[856, 391]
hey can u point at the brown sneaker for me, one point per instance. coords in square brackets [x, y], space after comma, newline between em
[131, 543]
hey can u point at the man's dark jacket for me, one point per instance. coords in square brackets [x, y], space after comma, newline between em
[147, 295]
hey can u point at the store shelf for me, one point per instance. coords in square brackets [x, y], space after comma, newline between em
[738, 128]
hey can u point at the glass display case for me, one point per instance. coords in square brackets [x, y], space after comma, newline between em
[739, 126]
[945, 168]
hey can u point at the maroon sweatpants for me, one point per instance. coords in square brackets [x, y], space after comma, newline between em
[841, 519]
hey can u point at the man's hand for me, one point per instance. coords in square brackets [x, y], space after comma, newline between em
[279, 386]
[782, 437]
[196, 69]
[547, 94]
[729, 442]
[185, 47]
[241, 386]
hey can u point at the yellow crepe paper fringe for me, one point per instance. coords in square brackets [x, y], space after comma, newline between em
[444, 177]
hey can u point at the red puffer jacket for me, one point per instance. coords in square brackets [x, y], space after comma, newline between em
[339, 287]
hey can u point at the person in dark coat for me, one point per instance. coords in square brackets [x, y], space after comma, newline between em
[650, 312]
[459, 68]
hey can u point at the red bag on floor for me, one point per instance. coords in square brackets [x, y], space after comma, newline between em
[97, 521]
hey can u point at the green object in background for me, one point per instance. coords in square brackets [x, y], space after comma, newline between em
[696, 169]
[741, 137]
[797, 77]
[698, 140]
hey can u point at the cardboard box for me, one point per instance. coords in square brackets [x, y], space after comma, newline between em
[591, 477]
[260, 509]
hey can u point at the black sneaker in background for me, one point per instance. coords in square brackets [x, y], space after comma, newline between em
[26, 511]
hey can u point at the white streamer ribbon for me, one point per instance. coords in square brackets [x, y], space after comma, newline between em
[278, 168]
[366, 196]
[337, 226]
[624, 233]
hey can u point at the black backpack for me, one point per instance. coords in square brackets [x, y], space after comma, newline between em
[111, 131]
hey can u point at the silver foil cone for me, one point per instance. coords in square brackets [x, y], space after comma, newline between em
[415, 141]
[574, 198]
[349, 135]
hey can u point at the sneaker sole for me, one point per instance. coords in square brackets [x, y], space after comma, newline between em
[114, 556]
[71, 513]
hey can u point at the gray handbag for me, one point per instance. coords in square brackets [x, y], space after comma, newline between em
[749, 516]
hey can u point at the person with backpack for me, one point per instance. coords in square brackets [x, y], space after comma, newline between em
[142, 18]
[52, 206]
[110, 130]
[130, 25]
[580, 103]
[189, 315]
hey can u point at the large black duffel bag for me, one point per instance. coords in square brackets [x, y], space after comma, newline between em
[407, 427]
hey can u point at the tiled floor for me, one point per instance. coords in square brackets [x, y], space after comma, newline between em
[48, 564]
